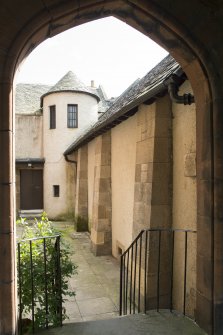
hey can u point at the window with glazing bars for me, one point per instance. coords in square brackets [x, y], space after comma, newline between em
[72, 114]
[53, 117]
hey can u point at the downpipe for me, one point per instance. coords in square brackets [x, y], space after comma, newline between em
[186, 99]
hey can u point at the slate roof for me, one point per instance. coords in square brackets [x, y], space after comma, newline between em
[104, 102]
[27, 97]
[152, 85]
[71, 83]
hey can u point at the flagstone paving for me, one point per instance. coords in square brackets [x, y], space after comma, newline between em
[96, 300]
[96, 284]
[154, 323]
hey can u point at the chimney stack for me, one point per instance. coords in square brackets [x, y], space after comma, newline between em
[92, 83]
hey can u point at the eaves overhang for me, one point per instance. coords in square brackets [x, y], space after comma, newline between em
[155, 89]
[68, 91]
[120, 116]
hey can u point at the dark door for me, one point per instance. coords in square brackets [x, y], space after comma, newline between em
[31, 189]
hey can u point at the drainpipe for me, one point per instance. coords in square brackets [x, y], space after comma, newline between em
[186, 99]
[75, 163]
[71, 161]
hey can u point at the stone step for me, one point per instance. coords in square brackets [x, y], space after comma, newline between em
[30, 214]
[153, 323]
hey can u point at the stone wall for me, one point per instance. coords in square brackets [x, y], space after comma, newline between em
[101, 231]
[91, 175]
[153, 192]
[143, 172]
[123, 180]
[185, 198]
[153, 178]
[81, 202]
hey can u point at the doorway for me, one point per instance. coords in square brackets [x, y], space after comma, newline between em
[31, 189]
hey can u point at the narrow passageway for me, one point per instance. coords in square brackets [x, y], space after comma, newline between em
[94, 309]
[96, 284]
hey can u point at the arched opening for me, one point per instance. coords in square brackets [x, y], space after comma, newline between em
[151, 21]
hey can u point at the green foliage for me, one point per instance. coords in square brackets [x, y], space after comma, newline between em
[43, 277]
[80, 223]
[66, 216]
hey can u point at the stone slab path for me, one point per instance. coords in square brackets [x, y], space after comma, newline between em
[162, 323]
[94, 309]
[96, 284]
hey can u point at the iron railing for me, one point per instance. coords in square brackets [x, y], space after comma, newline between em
[154, 272]
[39, 283]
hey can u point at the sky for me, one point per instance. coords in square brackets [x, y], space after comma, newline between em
[108, 51]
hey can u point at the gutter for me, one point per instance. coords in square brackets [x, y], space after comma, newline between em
[116, 118]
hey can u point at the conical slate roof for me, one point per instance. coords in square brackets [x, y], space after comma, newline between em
[71, 83]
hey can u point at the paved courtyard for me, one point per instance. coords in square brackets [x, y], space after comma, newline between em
[96, 284]
[97, 298]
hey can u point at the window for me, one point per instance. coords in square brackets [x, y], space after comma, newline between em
[56, 190]
[72, 116]
[53, 117]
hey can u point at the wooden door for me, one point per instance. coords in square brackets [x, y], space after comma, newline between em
[31, 189]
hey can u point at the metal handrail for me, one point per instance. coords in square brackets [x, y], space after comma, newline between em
[38, 238]
[156, 229]
[47, 285]
[134, 270]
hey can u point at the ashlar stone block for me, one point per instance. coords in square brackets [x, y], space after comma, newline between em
[97, 237]
[190, 165]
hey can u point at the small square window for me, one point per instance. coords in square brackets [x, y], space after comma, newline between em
[56, 190]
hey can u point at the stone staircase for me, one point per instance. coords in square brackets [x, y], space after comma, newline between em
[153, 323]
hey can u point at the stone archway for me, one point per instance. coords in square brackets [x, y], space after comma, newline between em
[162, 22]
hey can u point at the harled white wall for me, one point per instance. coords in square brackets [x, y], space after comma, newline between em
[56, 142]
[28, 136]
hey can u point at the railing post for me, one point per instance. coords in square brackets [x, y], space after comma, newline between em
[134, 289]
[145, 274]
[130, 293]
[121, 281]
[20, 290]
[32, 285]
[46, 281]
[185, 273]
[158, 270]
[32, 272]
[171, 278]
[59, 279]
[127, 277]
[130, 289]
[140, 263]
[123, 297]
